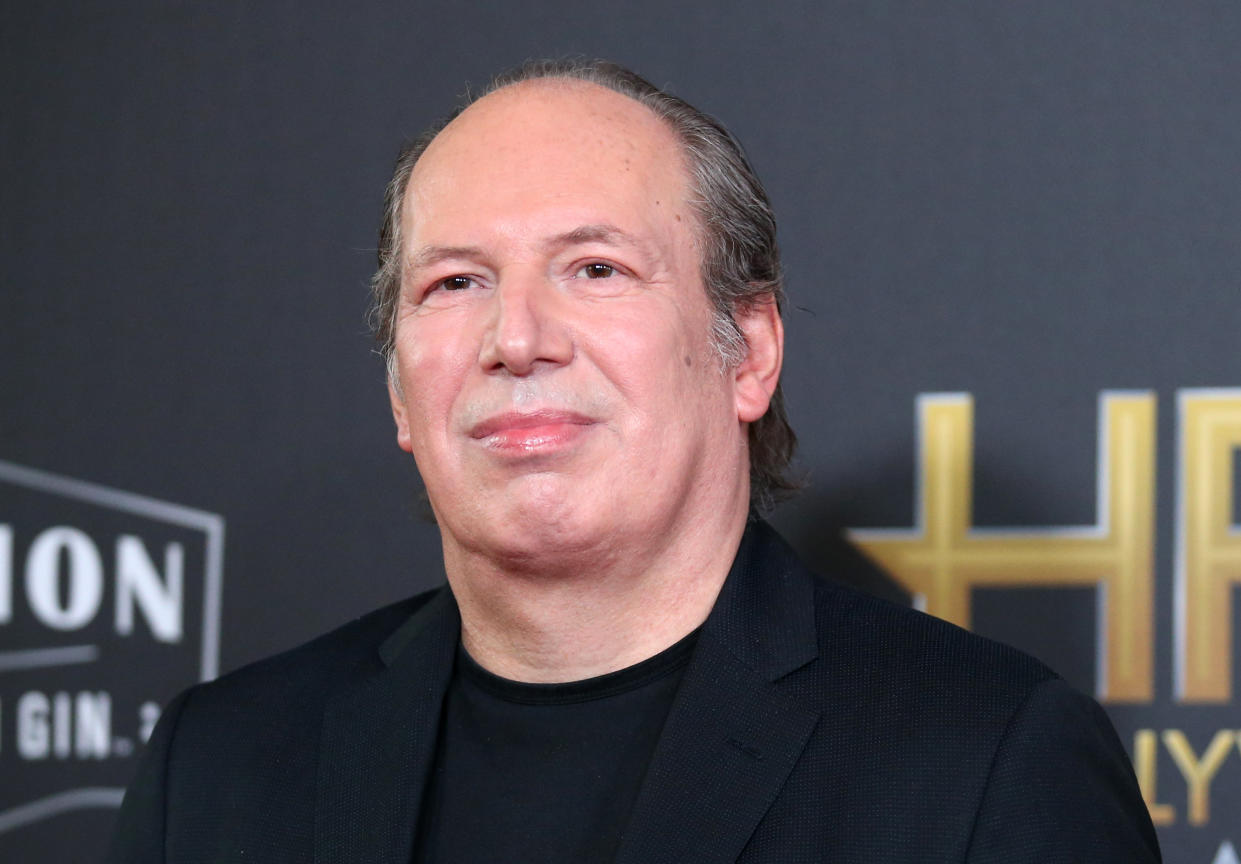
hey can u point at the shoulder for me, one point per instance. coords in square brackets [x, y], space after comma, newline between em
[306, 674]
[233, 763]
[878, 671]
[954, 729]
[866, 643]
[892, 644]
[935, 692]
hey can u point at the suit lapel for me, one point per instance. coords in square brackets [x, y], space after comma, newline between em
[732, 735]
[379, 742]
[731, 739]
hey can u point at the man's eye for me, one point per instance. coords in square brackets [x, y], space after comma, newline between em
[597, 271]
[454, 283]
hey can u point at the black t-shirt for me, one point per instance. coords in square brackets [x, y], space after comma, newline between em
[543, 772]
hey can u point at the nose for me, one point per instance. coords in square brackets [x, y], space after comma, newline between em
[526, 329]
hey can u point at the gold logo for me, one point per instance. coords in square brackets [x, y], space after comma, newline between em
[1208, 554]
[943, 557]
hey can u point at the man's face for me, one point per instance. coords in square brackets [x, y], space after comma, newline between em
[557, 386]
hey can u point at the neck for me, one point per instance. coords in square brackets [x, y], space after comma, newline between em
[566, 618]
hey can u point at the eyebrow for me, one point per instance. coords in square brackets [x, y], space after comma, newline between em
[598, 233]
[432, 255]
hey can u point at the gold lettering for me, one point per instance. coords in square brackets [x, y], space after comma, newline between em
[1145, 756]
[1208, 553]
[1198, 773]
[943, 558]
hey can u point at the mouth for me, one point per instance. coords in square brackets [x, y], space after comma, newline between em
[531, 431]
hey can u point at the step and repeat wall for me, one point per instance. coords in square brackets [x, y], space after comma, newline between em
[1012, 235]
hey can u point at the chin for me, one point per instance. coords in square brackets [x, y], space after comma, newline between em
[543, 535]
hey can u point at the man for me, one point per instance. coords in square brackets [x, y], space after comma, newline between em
[578, 296]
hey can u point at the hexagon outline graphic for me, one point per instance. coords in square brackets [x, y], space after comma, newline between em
[212, 526]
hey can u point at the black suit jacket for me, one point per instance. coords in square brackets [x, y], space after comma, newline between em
[812, 724]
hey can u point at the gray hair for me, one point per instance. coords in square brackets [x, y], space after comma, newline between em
[737, 237]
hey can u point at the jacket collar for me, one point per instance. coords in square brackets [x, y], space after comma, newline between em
[732, 735]
[378, 741]
[731, 738]
[764, 615]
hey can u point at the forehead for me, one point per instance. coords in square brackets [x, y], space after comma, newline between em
[549, 143]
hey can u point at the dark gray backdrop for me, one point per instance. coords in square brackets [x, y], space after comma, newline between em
[1031, 202]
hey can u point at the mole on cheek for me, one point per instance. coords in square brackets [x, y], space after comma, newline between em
[688, 360]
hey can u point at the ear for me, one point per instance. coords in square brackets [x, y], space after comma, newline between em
[400, 415]
[756, 377]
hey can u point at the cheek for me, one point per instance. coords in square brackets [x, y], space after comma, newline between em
[637, 353]
[434, 363]
[661, 368]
